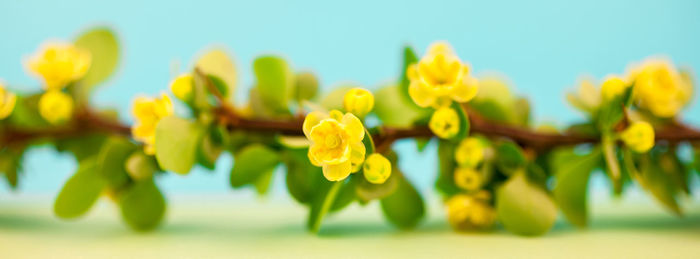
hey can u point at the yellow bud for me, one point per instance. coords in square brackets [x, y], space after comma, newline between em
[639, 136]
[468, 213]
[468, 179]
[377, 168]
[444, 123]
[612, 88]
[55, 106]
[358, 101]
[182, 87]
[59, 64]
[7, 102]
[470, 152]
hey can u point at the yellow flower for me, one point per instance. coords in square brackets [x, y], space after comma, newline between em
[182, 87]
[660, 88]
[470, 212]
[55, 106]
[7, 102]
[468, 179]
[59, 64]
[639, 136]
[440, 77]
[377, 168]
[147, 112]
[613, 87]
[336, 143]
[586, 98]
[444, 122]
[358, 101]
[470, 152]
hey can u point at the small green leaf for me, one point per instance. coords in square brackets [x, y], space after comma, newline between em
[404, 208]
[523, 208]
[572, 184]
[141, 166]
[275, 82]
[104, 48]
[368, 142]
[658, 183]
[346, 195]
[391, 102]
[80, 191]
[445, 180]
[10, 162]
[251, 162]
[612, 162]
[334, 99]
[306, 86]
[491, 110]
[142, 205]
[322, 202]
[218, 63]
[112, 159]
[209, 150]
[303, 179]
[509, 157]
[463, 121]
[177, 141]
[409, 58]
[367, 191]
[81, 147]
[262, 184]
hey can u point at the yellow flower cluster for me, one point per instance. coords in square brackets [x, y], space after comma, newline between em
[440, 77]
[182, 87]
[376, 168]
[470, 212]
[59, 64]
[55, 106]
[7, 102]
[660, 88]
[147, 112]
[336, 143]
[358, 101]
[639, 136]
[469, 154]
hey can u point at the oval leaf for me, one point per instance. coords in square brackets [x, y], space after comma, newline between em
[523, 208]
[104, 48]
[142, 205]
[252, 162]
[80, 191]
[177, 143]
[572, 184]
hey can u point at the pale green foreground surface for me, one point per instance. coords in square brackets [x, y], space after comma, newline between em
[220, 226]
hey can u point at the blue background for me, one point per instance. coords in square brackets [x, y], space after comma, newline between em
[542, 46]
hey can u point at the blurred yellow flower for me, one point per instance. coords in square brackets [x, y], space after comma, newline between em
[182, 87]
[660, 88]
[440, 77]
[639, 136]
[444, 123]
[336, 143]
[147, 112]
[7, 102]
[59, 64]
[358, 101]
[470, 212]
[468, 179]
[613, 87]
[376, 168]
[55, 106]
[470, 152]
[586, 98]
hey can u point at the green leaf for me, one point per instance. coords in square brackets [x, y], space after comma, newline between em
[509, 157]
[218, 63]
[177, 141]
[463, 121]
[141, 166]
[524, 208]
[303, 179]
[404, 208]
[445, 180]
[367, 191]
[491, 109]
[262, 184]
[409, 57]
[104, 48]
[322, 202]
[334, 99]
[571, 186]
[368, 142]
[210, 149]
[346, 195]
[391, 102]
[142, 205]
[306, 86]
[251, 162]
[112, 159]
[612, 162]
[82, 147]
[658, 183]
[80, 191]
[275, 82]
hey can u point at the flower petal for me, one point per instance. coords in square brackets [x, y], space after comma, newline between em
[420, 94]
[337, 172]
[357, 155]
[465, 91]
[353, 126]
[312, 119]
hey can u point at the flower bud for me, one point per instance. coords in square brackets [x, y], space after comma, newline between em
[182, 87]
[358, 101]
[377, 168]
[7, 102]
[467, 212]
[639, 136]
[468, 179]
[444, 123]
[55, 106]
[612, 88]
[470, 152]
